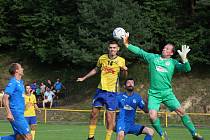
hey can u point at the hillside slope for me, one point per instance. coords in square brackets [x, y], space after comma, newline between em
[192, 89]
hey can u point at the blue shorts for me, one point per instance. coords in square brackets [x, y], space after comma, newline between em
[31, 120]
[20, 125]
[129, 128]
[102, 97]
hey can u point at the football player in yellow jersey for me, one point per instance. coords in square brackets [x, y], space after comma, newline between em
[110, 66]
[30, 107]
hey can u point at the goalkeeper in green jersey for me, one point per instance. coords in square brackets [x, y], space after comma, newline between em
[161, 70]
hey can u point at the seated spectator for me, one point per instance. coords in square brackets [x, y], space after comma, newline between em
[48, 97]
[38, 94]
[42, 88]
[58, 86]
[1, 96]
[49, 84]
[33, 87]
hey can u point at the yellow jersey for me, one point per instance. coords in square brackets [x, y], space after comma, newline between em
[110, 70]
[30, 101]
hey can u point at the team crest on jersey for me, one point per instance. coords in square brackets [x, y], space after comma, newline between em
[127, 107]
[134, 101]
[161, 69]
[167, 63]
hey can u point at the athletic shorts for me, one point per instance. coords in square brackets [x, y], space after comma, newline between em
[31, 120]
[105, 98]
[20, 125]
[129, 128]
[167, 97]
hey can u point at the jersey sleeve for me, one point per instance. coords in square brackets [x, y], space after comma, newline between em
[98, 63]
[141, 53]
[34, 99]
[122, 62]
[10, 87]
[119, 105]
[141, 103]
[180, 67]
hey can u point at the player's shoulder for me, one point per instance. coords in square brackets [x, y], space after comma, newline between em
[103, 56]
[136, 95]
[120, 58]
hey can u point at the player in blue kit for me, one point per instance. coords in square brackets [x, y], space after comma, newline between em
[128, 103]
[14, 104]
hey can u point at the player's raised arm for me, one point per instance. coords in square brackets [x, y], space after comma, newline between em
[91, 73]
[136, 50]
[184, 52]
[185, 67]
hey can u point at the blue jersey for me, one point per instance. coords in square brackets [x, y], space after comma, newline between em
[15, 89]
[58, 85]
[128, 105]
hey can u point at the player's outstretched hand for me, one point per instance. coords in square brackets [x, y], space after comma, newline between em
[126, 39]
[184, 52]
[80, 79]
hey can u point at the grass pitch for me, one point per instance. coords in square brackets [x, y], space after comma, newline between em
[79, 132]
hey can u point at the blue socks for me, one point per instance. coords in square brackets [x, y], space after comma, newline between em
[10, 137]
[148, 137]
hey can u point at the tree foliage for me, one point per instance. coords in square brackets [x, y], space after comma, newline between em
[77, 31]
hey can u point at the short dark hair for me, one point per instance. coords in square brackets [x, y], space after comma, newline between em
[130, 78]
[13, 67]
[113, 42]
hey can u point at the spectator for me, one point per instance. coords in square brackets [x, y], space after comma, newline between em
[1, 96]
[33, 87]
[58, 86]
[49, 84]
[42, 88]
[38, 93]
[48, 97]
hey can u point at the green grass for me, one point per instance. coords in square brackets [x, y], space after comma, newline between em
[79, 132]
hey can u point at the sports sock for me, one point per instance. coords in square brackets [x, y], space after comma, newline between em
[33, 134]
[148, 137]
[10, 137]
[108, 134]
[92, 129]
[188, 124]
[157, 126]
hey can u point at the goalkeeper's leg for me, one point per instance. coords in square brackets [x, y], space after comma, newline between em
[188, 124]
[156, 122]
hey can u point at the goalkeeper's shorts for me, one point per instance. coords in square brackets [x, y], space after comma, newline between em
[167, 97]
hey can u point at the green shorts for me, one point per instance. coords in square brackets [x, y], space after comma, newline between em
[167, 97]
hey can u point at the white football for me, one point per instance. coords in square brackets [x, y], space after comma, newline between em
[118, 33]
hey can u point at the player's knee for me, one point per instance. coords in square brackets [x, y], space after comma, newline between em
[121, 134]
[153, 115]
[148, 131]
[180, 111]
[94, 115]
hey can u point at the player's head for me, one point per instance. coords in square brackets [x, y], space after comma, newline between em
[113, 47]
[129, 84]
[16, 68]
[168, 50]
[28, 89]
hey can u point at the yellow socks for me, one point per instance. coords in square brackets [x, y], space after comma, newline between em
[92, 129]
[33, 134]
[108, 134]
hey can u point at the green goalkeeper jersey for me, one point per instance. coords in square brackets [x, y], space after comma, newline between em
[161, 69]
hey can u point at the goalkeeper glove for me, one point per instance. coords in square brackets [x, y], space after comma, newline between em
[184, 52]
